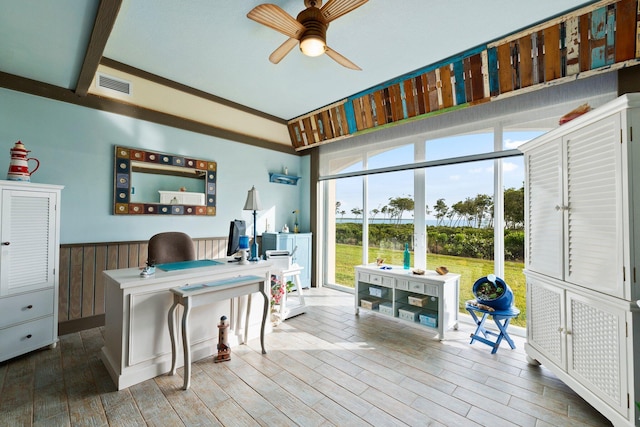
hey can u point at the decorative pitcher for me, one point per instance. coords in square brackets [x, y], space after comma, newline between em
[19, 166]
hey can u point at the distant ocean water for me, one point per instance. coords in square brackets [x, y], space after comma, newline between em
[428, 222]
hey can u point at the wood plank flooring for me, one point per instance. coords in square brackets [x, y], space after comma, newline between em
[325, 367]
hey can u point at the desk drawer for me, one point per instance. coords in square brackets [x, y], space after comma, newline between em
[24, 307]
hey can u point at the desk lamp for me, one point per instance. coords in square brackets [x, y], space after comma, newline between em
[253, 204]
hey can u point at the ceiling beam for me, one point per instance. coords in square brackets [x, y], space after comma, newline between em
[105, 20]
[46, 90]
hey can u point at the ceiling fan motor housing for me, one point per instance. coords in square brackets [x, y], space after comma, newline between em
[315, 27]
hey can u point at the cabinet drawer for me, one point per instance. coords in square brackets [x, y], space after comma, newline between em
[21, 308]
[26, 337]
[416, 287]
[363, 277]
[387, 282]
[431, 290]
[402, 285]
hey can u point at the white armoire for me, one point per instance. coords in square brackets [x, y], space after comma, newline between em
[582, 198]
[29, 256]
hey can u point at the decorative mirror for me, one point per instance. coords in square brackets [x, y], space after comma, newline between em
[153, 183]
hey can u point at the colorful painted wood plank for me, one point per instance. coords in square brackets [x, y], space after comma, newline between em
[326, 125]
[597, 41]
[526, 61]
[367, 111]
[357, 113]
[425, 92]
[308, 131]
[492, 60]
[410, 98]
[403, 98]
[419, 94]
[477, 81]
[625, 30]
[386, 96]
[458, 87]
[572, 46]
[584, 22]
[485, 73]
[381, 116]
[552, 69]
[446, 86]
[638, 31]
[335, 121]
[432, 91]
[344, 125]
[539, 56]
[396, 103]
[294, 134]
[563, 49]
[514, 50]
[610, 49]
[504, 68]
[468, 91]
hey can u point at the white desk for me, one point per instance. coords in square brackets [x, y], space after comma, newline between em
[137, 342]
[203, 294]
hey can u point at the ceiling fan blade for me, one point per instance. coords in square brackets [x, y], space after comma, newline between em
[341, 59]
[334, 9]
[282, 51]
[274, 17]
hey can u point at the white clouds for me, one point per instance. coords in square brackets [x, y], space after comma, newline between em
[511, 144]
[509, 166]
[454, 177]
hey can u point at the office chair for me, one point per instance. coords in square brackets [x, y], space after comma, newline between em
[171, 246]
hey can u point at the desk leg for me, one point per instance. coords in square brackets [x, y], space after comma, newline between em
[245, 338]
[265, 312]
[185, 343]
[171, 320]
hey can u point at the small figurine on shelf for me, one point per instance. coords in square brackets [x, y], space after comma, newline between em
[224, 351]
[149, 270]
[296, 227]
[285, 229]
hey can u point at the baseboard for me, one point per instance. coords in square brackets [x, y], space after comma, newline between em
[76, 325]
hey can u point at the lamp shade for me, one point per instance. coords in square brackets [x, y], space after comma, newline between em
[253, 200]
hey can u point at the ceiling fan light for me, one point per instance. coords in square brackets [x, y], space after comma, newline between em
[312, 46]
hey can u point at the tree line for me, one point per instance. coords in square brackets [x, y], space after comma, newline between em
[476, 212]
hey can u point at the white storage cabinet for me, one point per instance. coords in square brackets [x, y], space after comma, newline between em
[430, 300]
[582, 197]
[29, 256]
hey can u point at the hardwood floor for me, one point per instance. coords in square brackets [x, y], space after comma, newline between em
[325, 367]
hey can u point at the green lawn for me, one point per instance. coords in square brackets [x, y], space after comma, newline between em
[470, 269]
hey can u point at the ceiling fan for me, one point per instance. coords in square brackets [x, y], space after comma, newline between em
[309, 29]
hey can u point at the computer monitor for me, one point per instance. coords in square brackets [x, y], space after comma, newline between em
[237, 228]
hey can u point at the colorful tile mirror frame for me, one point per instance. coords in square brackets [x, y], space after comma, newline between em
[128, 161]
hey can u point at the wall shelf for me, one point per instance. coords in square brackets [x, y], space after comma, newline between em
[283, 179]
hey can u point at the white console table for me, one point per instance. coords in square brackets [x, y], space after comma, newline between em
[137, 342]
[430, 299]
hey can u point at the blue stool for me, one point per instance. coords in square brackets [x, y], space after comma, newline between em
[502, 319]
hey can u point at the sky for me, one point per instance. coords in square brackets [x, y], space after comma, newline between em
[452, 183]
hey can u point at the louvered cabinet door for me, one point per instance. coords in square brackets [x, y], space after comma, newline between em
[544, 216]
[597, 348]
[593, 210]
[546, 319]
[28, 243]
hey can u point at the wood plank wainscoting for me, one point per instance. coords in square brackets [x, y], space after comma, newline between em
[81, 293]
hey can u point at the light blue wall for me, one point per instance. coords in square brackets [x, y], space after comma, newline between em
[75, 146]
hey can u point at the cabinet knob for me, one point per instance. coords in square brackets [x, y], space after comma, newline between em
[29, 307]
[6, 243]
[28, 336]
[560, 329]
[562, 208]
[568, 332]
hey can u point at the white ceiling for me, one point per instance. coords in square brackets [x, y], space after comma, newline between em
[212, 46]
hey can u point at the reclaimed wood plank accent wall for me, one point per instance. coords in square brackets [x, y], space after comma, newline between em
[81, 291]
[600, 37]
